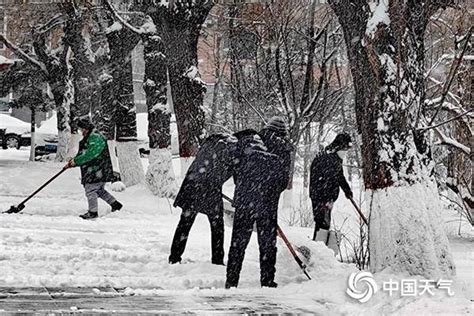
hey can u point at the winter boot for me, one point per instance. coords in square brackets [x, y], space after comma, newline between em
[333, 242]
[219, 262]
[173, 260]
[229, 285]
[322, 235]
[271, 284]
[89, 215]
[116, 206]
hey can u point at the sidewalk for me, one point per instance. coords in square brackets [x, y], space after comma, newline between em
[44, 301]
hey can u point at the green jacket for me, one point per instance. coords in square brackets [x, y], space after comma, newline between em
[94, 159]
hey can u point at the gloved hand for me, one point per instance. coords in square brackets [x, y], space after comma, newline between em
[70, 164]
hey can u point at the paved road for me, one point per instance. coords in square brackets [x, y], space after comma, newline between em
[44, 301]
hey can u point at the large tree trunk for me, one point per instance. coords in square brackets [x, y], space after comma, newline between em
[104, 116]
[187, 89]
[59, 79]
[386, 59]
[160, 175]
[63, 100]
[121, 45]
[83, 61]
[179, 28]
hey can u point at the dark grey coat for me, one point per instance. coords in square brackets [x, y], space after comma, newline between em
[201, 189]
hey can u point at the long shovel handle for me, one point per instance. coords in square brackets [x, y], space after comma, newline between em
[228, 199]
[359, 212]
[42, 187]
[293, 252]
[287, 242]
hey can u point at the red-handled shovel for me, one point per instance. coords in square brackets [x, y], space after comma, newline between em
[287, 243]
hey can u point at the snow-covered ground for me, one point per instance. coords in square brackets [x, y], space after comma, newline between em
[49, 245]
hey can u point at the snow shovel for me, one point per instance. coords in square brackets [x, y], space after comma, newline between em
[21, 206]
[287, 243]
[359, 212]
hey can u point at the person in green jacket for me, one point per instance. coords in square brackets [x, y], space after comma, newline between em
[96, 167]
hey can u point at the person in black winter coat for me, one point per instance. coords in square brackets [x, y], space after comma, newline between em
[325, 179]
[261, 175]
[201, 192]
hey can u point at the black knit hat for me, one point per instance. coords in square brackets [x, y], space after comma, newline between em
[85, 122]
[277, 123]
[342, 142]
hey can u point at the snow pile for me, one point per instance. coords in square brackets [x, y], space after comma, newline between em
[118, 186]
[49, 245]
[406, 233]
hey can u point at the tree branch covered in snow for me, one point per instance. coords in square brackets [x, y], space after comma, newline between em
[148, 27]
[444, 140]
[22, 54]
[452, 72]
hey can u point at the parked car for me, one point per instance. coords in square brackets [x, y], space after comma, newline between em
[14, 133]
[46, 137]
[4, 107]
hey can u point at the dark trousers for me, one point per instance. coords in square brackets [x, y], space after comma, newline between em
[242, 231]
[322, 215]
[182, 232]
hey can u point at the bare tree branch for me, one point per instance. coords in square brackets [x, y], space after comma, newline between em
[427, 128]
[452, 73]
[444, 140]
[249, 104]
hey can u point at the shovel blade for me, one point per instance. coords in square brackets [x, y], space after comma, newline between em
[15, 209]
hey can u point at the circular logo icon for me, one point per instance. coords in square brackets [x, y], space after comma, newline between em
[361, 286]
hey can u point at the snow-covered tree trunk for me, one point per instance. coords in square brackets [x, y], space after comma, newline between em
[131, 169]
[160, 176]
[180, 24]
[32, 132]
[64, 129]
[104, 116]
[116, 117]
[187, 89]
[77, 37]
[63, 100]
[386, 55]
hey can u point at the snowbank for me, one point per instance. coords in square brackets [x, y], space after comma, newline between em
[49, 245]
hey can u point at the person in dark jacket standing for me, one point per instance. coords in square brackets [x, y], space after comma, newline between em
[326, 177]
[96, 167]
[201, 192]
[262, 174]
